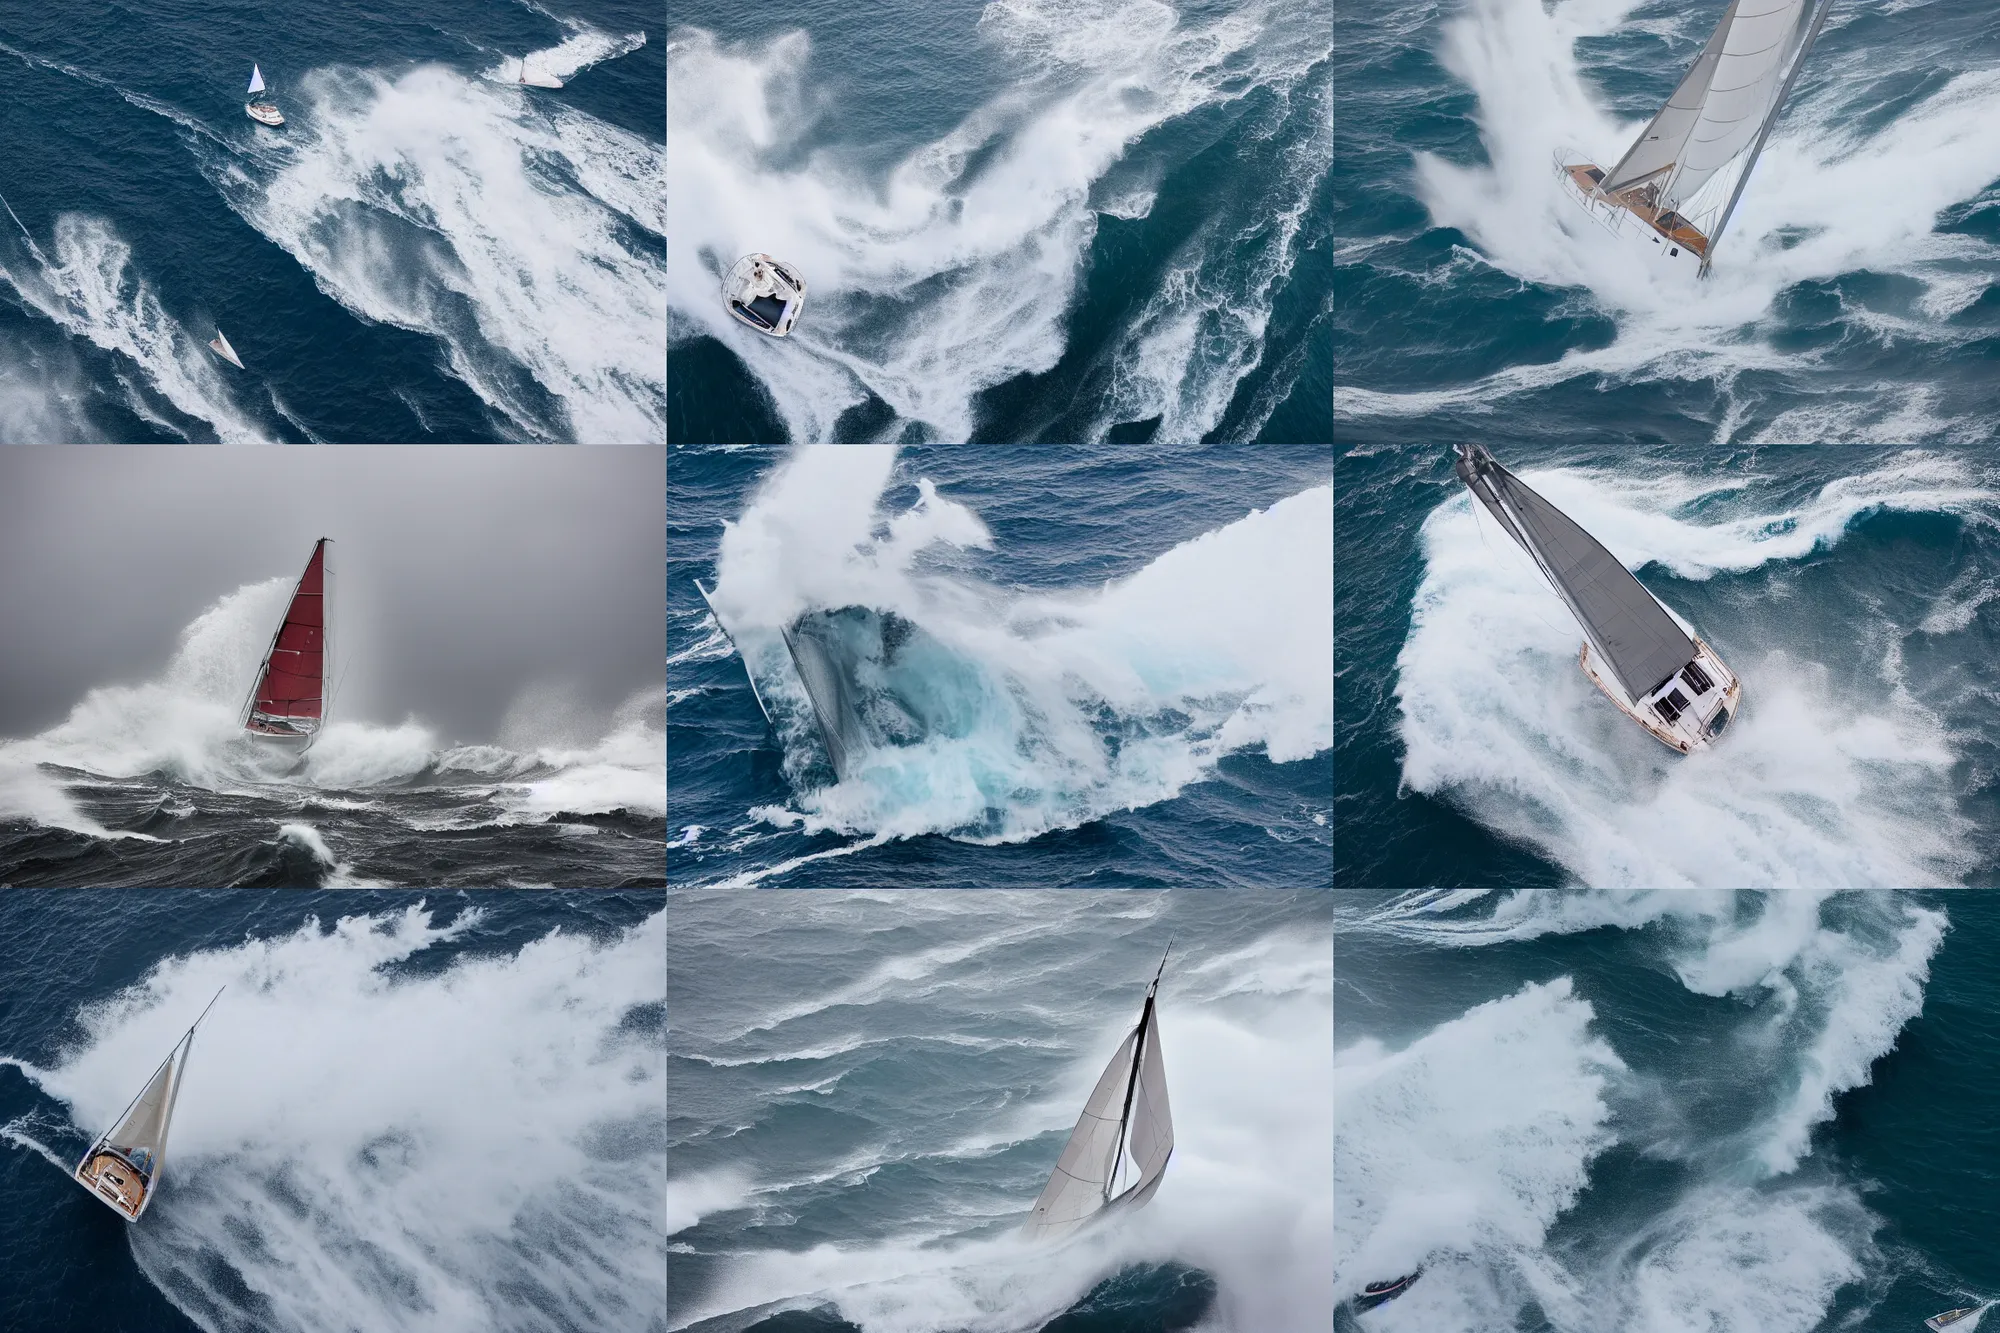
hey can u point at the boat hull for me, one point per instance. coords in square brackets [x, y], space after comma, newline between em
[1666, 239]
[264, 113]
[1698, 721]
[113, 1182]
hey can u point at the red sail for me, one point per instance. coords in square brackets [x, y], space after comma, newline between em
[294, 679]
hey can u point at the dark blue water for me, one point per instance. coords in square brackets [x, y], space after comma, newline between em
[316, 1174]
[420, 253]
[1017, 221]
[1128, 680]
[1729, 1111]
[870, 1090]
[1850, 589]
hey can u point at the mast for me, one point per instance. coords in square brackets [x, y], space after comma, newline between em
[1132, 1078]
[1764, 132]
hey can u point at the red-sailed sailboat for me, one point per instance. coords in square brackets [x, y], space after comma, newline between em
[287, 704]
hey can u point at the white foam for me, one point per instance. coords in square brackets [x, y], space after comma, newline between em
[955, 269]
[464, 1149]
[1219, 645]
[1810, 787]
[1829, 197]
[493, 220]
[577, 52]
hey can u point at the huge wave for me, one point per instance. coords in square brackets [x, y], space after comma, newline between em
[1048, 709]
[364, 1140]
[957, 268]
[185, 726]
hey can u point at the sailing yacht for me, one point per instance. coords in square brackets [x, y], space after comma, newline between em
[122, 1168]
[220, 346]
[1118, 1151]
[287, 703]
[765, 293]
[534, 78]
[1677, 185]
[262, 110]
[1640, 654]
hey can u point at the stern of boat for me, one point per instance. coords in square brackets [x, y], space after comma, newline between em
[115, 1183]
[1686, 712]
[1666, 238]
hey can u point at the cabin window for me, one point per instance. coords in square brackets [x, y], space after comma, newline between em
[1665, 708]
[1697, 679]
[1718, 722]
[1678, 700]
[1673, 250]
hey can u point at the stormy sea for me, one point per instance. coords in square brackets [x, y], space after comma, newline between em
[1728, 1110]
[1851, 588]
[441, 1114]
[1106, 220]
[1105, 667]
[869, 1090]
[425, 250]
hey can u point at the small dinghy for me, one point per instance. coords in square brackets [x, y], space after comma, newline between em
[1375, 1293]
[530, 78]
[220, 346]
[262, 110]
[765, 293]
[1937, 1323]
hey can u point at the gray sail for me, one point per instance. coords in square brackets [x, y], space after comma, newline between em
[723, 625]
[144, 1128]
[830, 693]
[1149, 1136]
[1723, 104]
[1633, 634]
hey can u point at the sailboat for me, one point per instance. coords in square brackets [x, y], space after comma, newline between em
[535, 78]
[1118, 1151]
[220, 346]
[264, 111]
[287, 704]
[1677, 185]
[122, 1168]
[765, 293]
[1640, 654]
[1937, 1323]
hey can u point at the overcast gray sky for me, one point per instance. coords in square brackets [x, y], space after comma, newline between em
[465, 575]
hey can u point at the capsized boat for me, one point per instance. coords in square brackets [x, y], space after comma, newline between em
[1675, 188]
[1118, 1152]
[534, 78]
[1376, 1293]
[1937, 1323]
[220, 346]
[262, 110]
[765, 293]
[287, 703]
[122, 1168]
[1636, 651]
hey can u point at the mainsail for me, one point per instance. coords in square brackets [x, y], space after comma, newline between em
[289, 698]
[830, 693]
[1722, 110]
[256, 79]
[1634, 635]
[122, 1168]
[1118, 1151]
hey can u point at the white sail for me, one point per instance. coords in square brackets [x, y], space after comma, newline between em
[1149, 1138]
[256, 79]
[1721, 105]
[1077, 1187]
[220, 346]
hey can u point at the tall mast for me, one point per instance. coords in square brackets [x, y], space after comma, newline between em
[1764, 132]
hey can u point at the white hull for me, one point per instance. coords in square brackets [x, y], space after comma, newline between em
[773, 313]
[264, 113]
[1677, 714]
[1674, 249]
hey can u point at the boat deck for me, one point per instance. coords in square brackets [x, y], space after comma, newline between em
[1587, 177]
[112, 1179]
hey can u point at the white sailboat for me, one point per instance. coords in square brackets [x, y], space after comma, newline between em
[122, 1169]
[765, 293]
[1117, 1154]
[220, 346]
[1675, 188]
[1641, 655]
[264, 111]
